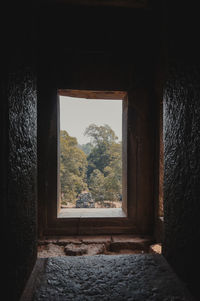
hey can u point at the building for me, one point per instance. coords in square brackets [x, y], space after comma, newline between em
[148, 48]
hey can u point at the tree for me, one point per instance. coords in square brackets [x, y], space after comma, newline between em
[100, 170]
[100, 134]
[73, 167]
[96, 185]
[102, 138]
[104, 164]
[113, 174]
[86, 148]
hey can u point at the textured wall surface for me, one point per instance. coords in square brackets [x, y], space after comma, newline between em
[182, 143]
[19, 146]
[21, 183]
[182, 170]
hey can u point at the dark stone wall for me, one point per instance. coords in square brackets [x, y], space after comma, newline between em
[182, 170]
[97, 48]
[182, 146]
[21, 178]
[18, 152]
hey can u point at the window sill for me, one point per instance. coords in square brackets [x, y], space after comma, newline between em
[91, 213]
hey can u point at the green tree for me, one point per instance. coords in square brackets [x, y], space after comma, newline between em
[113, 174]
[96, 185]
[104, 164]
[86, 148]
[102, 139]
[73, 167]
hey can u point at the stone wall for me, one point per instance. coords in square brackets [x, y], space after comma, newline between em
[22, 181]
[182, 169]
[182, 147]
[18, 151]
[101, 57]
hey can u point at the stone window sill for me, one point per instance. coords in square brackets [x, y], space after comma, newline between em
[91, 213]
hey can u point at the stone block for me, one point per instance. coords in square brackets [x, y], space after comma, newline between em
[96, 239]
[156, 248]
[120, 242]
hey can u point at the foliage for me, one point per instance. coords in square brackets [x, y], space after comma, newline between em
[73, 166]
[102, 139]
[104, 163]
[96, 165]
[113, 174]
[97, 181]
[86, 148]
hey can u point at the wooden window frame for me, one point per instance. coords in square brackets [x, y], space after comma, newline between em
[138, 173]
[106, 95]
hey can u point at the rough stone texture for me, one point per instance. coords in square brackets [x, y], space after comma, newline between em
[19, 148]
[182, 144]
[55, 250]
[75, 250]
[82, 249]
[22, 182]
[130, 242]
[127, 277]
[93, 245]
[50, 250]
[182, 171]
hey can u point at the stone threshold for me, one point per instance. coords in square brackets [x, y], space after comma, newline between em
[93, 245]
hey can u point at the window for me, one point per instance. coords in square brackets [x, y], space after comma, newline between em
[138, 172]
[90, 157]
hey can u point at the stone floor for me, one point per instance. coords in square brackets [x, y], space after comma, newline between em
[139, 277]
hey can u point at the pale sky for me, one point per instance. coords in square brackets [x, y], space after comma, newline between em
[78, 113]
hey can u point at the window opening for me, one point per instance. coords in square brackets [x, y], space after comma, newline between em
[90, 157]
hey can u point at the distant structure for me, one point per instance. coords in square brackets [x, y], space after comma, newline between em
[85, 200]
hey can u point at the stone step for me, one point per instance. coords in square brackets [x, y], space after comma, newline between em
[92, 245]
[130, 242]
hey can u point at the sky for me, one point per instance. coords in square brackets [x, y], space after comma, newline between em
[78, 113]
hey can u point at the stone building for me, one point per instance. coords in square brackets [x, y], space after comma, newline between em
[150, 50]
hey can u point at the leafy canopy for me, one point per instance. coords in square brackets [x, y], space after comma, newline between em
[96, 166]
[73, 167]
